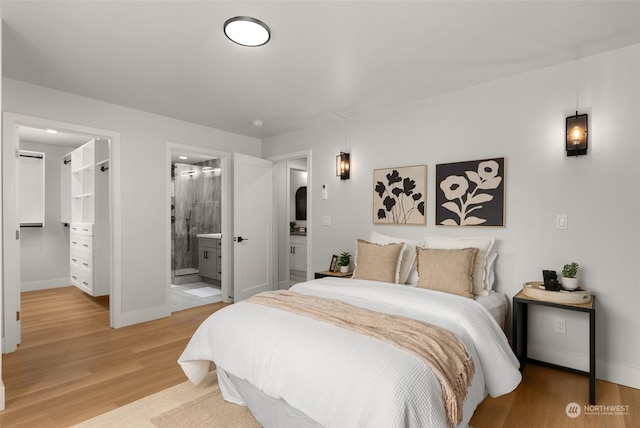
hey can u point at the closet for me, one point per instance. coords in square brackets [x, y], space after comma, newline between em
[89, 250]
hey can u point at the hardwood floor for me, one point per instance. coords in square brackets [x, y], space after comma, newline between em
[71, 366]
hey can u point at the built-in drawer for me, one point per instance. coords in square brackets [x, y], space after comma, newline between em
[86, 284]
[297, 240]
[86, 266]
[81, 243]
[82, 228]
[75, 276]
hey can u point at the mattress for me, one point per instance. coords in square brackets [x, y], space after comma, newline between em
[325, 375]
[497, 304]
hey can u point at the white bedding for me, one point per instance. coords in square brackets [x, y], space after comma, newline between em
[342, 379]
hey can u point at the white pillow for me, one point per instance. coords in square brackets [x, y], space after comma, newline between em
[489, 271]
[408, 263]
[484, 244]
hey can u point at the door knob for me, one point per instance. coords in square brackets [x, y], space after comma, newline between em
[240, 239]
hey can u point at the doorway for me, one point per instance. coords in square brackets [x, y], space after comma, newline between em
[15, 128]
[196, 220]
[293, 186]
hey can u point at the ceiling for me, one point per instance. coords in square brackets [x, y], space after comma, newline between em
[326, 60]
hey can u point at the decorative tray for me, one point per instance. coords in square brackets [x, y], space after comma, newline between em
[535, 290]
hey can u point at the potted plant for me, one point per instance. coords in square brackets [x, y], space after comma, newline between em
[569, 273]
[344, 260]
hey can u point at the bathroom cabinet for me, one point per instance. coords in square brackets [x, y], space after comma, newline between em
[210, 258]
[298, 253]
[89, 236]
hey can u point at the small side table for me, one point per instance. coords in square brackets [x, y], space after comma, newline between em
[324, 273]
[520, 324]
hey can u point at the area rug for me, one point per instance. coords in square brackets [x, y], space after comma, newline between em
[185, 405]
[204, 292]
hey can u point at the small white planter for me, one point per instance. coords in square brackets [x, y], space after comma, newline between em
[344, 269]
[569, 283]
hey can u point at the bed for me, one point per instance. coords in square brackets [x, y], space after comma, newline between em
[293, 370]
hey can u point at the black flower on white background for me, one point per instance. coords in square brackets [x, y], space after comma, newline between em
[399, 195]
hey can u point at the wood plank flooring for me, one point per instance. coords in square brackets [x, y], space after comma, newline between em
[71, 366]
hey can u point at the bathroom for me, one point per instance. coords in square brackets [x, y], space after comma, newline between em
[195, 232]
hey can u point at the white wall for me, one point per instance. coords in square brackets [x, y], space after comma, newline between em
[44, 251]
[143, 137]
[522, 119]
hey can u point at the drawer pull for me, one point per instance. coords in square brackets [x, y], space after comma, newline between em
[85, 264]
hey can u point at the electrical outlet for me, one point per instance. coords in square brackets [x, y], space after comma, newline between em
[561, 326]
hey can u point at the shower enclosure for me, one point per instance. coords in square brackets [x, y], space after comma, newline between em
[195, 209]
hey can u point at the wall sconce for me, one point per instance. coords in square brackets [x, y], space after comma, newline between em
[577, 134]
[342, 166]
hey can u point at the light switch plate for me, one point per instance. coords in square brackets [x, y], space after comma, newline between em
[326, 220]
[561, 221]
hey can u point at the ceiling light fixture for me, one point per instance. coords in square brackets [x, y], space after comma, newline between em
[52, 131]
[183, 157]
[247, 31]
[257, 123]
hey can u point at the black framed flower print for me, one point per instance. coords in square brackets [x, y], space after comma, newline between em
[400, 195]
[470, 193]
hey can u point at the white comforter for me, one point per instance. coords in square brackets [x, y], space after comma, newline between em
[343, 379]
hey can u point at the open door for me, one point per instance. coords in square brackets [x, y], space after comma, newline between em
[11, 239]
[253, 244]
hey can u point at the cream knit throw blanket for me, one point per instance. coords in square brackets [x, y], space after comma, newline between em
[445, 354]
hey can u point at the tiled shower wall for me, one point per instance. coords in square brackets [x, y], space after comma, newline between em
[195, 208]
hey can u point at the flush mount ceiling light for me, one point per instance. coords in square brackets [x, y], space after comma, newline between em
[247, 31]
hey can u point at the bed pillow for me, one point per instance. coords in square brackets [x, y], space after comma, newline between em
[484, 244]
[378, 262]
[408, 262]
[450, 271]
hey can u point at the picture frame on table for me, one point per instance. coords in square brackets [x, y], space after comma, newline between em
[333, 267]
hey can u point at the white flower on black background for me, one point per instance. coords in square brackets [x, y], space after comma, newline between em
[463, 196]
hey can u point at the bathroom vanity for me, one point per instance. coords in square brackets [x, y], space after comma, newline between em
[210, 255]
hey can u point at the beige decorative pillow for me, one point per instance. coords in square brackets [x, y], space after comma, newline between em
[450, 271]
[483, 267]
[378, 262]
[408, 263]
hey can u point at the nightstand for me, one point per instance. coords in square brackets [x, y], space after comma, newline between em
[520, 320]
[324, 273]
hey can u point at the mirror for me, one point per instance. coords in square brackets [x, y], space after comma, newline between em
[301, 203]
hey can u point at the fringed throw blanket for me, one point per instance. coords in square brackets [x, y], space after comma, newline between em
[445, 354]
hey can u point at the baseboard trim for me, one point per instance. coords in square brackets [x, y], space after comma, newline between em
[559, 357]
[1, 395]
[620, 374]
[144, 315]
[45, 284]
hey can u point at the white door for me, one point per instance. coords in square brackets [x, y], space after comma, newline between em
[11, 239]
[253, 244]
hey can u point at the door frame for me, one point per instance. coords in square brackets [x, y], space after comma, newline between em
[11, 246]
[226, 213]
[283, 159]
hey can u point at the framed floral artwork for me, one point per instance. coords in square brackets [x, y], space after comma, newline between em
[399, 195]
[470, 193]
